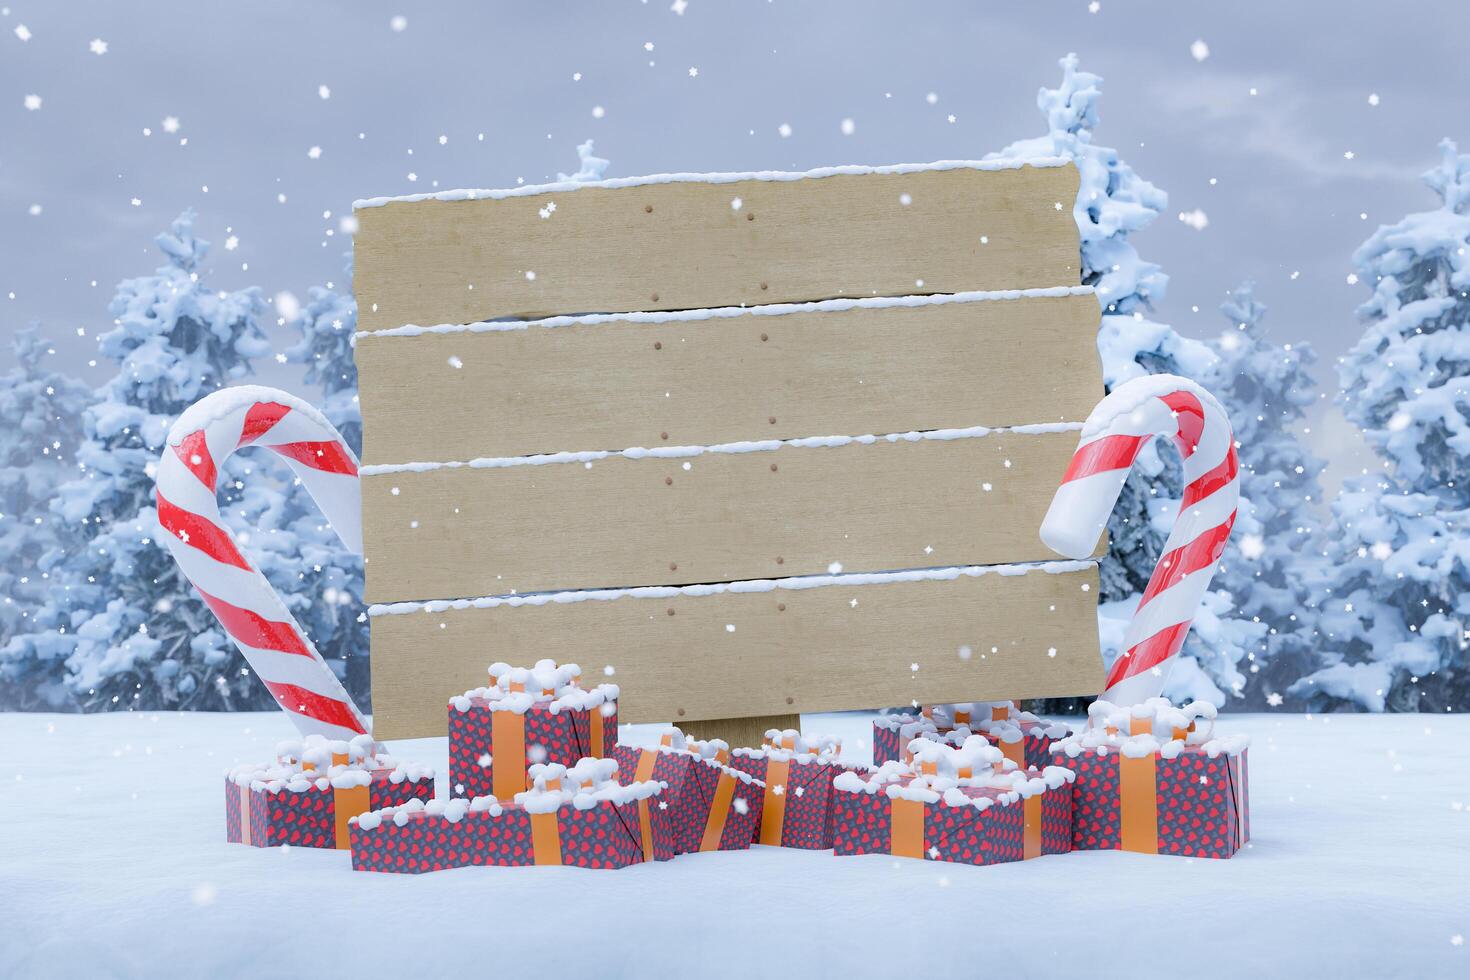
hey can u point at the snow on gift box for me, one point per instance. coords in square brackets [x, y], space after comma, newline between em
[1148, 781]
[535, 715]
[892, 732]
[579, 816]
[306, 798]
[1021, 736]
[708, 805]
[798, 773]
[966, 804]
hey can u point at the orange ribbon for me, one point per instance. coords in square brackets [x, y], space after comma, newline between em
[1031, 837]
[546, 838]
[906, 828]
[245, 814]
[1139, 803]
[597, 722]
[1015, 751]
[773, 810]
[348, 802]
[1000, 714]
[647, 759]
[508, 754]
[719, 810]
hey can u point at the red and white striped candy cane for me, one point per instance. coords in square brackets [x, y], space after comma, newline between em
[241, 598]
[1113, 436]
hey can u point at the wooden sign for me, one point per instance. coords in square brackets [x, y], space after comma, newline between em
[766, 444]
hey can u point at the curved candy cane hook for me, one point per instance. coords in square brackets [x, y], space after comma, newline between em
[1114, 434]
[242, 600]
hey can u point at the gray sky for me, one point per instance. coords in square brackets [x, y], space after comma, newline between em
[243, 82]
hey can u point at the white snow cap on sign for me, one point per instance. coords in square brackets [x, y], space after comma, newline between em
[577, 183]
[592, 168]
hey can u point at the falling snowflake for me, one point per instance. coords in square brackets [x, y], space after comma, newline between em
[1195, 219]
[1373, 98]
[784, 130]
[323, 92]
[232, 243]
[23, 32]
[314, 153]
[679, 6]
[399, 24]
[1252, 546]
[97, 46]
[1199, 50]
[1274, 699]
[693, 72]
[32, 102]
[848, 127]
[598, 112]
[170, 124]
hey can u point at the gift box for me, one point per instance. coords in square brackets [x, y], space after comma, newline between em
[1024, 738]
[891, 733]
[536, 715]
[707, 805]
[797, 772]
[579, 817]
[1154, 779]
[307, 796]
[966, 804]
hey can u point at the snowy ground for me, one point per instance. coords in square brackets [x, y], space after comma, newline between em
[113, 863]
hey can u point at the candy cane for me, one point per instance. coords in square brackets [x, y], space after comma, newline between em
[242, 600]
[1115, 433]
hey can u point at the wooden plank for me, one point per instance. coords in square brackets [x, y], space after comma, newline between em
[742, 731]
[682, 245]
[829, 648]
[791, 510]
[621, 382]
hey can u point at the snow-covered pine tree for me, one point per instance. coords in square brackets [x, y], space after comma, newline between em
[133, 633]
[40, 427]
[1396, 612]
[326, 324]
[1112, 203]
[319, 579]
[1274, 566]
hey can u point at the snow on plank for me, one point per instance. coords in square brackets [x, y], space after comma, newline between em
[762, 648]
[692, 241]
[677, 515]
[701, 377]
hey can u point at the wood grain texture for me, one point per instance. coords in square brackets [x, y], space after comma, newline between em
[680, 246]
[791, 651]
[612, 385]
[466, 532]
[741, 731]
